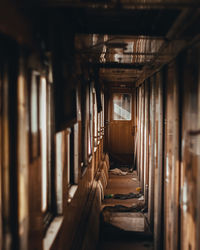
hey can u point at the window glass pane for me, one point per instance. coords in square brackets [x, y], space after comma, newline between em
[68, 155]
[43, 130]
[122, 107]
[34, 96]
[59, 170]
[99, 126]
[90, 134]
[76, 158]
[95, 118]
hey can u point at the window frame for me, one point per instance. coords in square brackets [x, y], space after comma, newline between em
[51, 202]
[112, 107]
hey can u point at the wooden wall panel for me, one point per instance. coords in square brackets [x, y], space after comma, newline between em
[22, 156]
[8, 147]
[134, 128]
[151, 153]
[138, 132]
[1, 106]
[80, 213]
[190, 149]
[171, 163]
[158, 160]
[146, 142]
[198, 164]
[141, 159]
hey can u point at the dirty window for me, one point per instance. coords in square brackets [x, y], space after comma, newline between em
[122, 107]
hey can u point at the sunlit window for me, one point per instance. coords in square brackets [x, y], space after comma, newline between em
[122, 107]
[95, 118]
[68, 154]
[90, 132]
[72, 155]
[59, 171]
[34, 103]
[43, 132]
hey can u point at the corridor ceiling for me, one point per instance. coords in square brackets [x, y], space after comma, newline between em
[128, 39]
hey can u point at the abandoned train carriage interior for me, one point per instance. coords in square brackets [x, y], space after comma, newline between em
[99, 124]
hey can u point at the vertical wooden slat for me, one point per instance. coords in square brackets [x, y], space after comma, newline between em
[142, 139]
[190, 149]
[22, 156]
[156, 167]
[5, 164]
[158, 162]
[134, 129]
[1, 106]
[151, 153]
[146, 142]
[171, 176]
[198, 163]
[175, 160]
[139, 134]
[34, 177]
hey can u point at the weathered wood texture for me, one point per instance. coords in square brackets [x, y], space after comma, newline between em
[1, 106]
[9, 207]
[146, 142]
[190, 149]
[151, 153]
[158, 157]
[171, 162]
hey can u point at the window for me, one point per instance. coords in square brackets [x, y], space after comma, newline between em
[95, 117]
[102, 115]
[99, 126]
[59, 171]
[34, 117]
[122, 107]
[43, 133]
[90, 127]
[46, 145]
[72, 159]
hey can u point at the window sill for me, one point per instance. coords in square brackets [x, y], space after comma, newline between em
[72, 191]
[52, 232]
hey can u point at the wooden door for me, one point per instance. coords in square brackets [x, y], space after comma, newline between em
[120, 130]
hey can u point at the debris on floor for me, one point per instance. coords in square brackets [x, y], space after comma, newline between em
[123, 196]
[141, 198]
[120, 208]
[118, 171]
[144, 210]
[134, 179]
[138, 189]
[108, 196]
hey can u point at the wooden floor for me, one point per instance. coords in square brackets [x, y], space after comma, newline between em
[123, 185]
[124, 230]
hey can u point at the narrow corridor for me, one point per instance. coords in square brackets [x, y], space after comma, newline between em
[90, 88]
